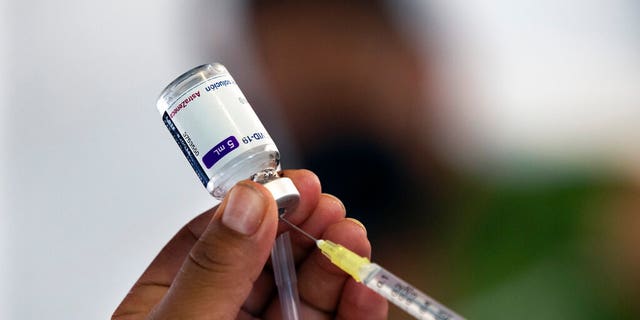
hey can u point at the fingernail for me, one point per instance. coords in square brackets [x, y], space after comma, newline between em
[338, 201]
[358, 223]
[244, 210]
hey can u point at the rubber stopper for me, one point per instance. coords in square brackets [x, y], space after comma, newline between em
[284, 192]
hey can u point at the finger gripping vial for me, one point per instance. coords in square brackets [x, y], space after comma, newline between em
[219, 133]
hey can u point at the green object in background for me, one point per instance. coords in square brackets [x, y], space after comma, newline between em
[521, 250]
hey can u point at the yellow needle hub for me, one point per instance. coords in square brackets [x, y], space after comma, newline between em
[343, 258]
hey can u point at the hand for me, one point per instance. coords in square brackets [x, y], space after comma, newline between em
[216, 266]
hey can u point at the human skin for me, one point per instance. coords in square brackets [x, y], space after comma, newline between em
[216, 267]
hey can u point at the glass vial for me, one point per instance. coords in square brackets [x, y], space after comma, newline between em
[220, 134]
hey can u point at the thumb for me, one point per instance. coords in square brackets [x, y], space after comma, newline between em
[219, 272]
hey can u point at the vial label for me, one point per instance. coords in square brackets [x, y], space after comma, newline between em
[219, 151]
[185, 149]
[212, 122]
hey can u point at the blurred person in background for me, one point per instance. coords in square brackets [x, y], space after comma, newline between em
[359, 102]
[351, 88]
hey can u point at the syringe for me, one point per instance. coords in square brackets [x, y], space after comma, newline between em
[383, 282]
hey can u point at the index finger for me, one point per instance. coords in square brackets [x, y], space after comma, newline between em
[158, 277]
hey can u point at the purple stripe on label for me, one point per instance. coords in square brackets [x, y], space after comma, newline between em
[220, 150]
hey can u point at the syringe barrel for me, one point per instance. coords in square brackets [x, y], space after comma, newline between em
[405, 296]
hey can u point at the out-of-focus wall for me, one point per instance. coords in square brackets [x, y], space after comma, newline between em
[544, 80]
[4, 217]
[95, 184]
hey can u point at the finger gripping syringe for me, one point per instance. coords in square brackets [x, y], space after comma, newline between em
[383, 282]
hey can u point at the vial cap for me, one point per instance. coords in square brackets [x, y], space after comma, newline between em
[284, 192]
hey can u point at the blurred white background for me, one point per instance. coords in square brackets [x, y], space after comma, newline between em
[93, 185]
[555, 80]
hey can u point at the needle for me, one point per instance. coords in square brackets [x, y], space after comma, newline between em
[298, 229]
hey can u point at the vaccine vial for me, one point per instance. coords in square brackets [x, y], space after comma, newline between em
[220, 135]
